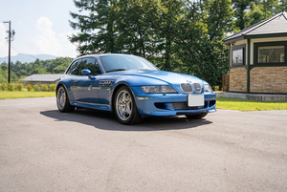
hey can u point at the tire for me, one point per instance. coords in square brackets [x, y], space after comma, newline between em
[125, 107]
[62, 100]
[197, 116]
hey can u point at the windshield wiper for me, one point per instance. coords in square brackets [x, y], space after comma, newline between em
[116, 70]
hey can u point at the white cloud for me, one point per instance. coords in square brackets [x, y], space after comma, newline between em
[44, 25]
[69, 48]
[39, 40]
[48, 42]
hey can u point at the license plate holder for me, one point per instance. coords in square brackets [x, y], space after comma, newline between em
[195, 100]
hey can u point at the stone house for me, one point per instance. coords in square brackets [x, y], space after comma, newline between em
[257, 54]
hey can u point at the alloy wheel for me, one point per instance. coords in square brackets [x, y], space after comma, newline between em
[124, 105]
[61, 98]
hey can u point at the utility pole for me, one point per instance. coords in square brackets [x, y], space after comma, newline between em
[10, 34]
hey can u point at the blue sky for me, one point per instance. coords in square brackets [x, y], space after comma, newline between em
[41, 27]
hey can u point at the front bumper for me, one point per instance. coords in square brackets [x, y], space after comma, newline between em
[169, 104]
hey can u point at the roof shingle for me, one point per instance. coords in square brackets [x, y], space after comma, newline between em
[273, 25]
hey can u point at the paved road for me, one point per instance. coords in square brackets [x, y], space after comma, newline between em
[42, 149]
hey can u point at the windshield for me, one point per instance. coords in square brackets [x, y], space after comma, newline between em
[125, 62]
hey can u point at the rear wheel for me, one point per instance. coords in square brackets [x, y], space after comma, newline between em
[63, 102]
[125, 107]
[197, 116]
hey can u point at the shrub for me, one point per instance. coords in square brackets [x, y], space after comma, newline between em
[11, 87]
[52, 87]
[216, 88]
[29, 87]
[36, 87]
[44, 87]
[3, 86]
[19, 86]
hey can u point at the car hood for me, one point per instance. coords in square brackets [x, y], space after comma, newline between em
[135, 78]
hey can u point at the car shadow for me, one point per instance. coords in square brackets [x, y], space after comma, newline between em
[107, 121]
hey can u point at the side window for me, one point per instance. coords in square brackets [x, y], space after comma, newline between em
[92, 65]
[74, 69]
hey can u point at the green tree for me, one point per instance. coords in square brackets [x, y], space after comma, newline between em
[4, 66]
[135, 35]
[240, 7]
[270, 8]
[3, 75]
[259, 11]
[250, 12]
[218, 15]
[97, 27]
[58, 65]
[282, 5]
[20, 71]
[178, 35]
[37, 67]
[194, 46]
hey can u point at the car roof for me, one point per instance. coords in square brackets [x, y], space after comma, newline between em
[104, 54]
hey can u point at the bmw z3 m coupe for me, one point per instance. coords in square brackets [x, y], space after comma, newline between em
[132, 88]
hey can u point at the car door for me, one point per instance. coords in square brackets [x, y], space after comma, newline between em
[86, 88]
[73, 73]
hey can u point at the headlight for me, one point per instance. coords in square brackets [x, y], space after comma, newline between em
[158, 89]
[207, 88]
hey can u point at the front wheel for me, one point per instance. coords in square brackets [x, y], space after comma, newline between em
[63, 102]
[197, 116]
[125, 107]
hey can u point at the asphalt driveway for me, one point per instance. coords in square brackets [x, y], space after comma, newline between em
[42, 149]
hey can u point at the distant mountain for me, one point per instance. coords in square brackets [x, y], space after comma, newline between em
[26, 58]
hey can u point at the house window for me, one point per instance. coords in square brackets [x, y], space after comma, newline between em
[271, 54]
[238, 55]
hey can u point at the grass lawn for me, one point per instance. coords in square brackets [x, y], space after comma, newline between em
[248, 105]
[22, 94]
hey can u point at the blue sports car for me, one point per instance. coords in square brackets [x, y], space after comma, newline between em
[132, 88]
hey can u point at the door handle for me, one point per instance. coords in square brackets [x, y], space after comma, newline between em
[75, 81]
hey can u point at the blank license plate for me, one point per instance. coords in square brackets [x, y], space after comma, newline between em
[195, 100]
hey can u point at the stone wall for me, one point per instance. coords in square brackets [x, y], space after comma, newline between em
[268, 80]
[238, 80]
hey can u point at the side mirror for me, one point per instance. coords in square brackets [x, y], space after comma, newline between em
[88, 73]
